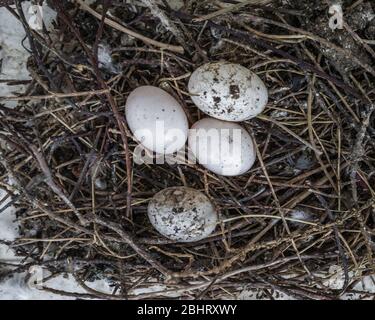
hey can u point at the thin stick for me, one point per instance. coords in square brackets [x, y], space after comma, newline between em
[233, 7]
[50, 181]
[136, 35]
[307, 144]
[56, 95]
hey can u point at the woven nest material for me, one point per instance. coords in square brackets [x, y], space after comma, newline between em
[306, 205]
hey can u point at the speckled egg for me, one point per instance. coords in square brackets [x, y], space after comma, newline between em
[222, 147]
[228, 91]
[156, 120]
[182, 214]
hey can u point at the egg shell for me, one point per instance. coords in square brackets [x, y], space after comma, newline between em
[228, 91]
[182, 214]
[156, 120]
[222, 147]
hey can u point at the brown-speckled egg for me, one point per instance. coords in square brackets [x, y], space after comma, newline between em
[228, 91]
[182, 214]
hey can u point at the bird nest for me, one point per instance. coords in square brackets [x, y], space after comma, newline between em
[307, 205]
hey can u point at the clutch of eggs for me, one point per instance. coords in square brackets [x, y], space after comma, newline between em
[156, 120]
[182, 214]
[228, 91]
[222, 147]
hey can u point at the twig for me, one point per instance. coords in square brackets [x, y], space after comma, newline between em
[136, 35]
[56, 96]
[50, 181]
[231, 8]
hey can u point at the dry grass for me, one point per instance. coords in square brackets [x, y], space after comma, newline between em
[315, 145]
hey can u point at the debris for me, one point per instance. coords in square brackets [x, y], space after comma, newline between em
[337, 19]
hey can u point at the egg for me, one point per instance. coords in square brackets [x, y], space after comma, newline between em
[222, 147]
[156, 120]
[228, 91]
[182, 214]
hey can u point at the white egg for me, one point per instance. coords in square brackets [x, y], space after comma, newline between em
[182, 214]
[156, 120]
[222, 147]
[228, 91]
